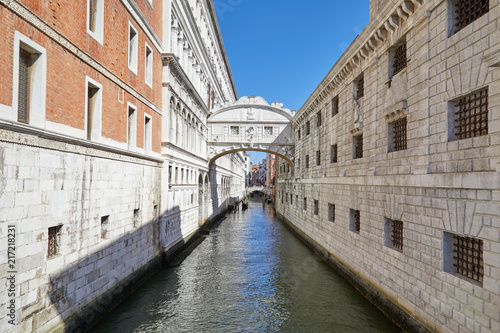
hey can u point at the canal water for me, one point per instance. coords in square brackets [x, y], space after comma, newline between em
[251, 274]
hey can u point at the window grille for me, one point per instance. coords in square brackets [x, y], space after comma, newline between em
[53, 248]
[399, 137]
[356, 216]
[298, 134]
[360, 87]
[24, 86]
[335, 106]
[318, 157]
[268, 130]
[400, 60]
[235, 130]
[358, 146]
[319, 120]
[471, 114]
[397, 235]
[308, 128]
[333, 154]
[467, 11]
[331, 212]
[468, 258]
[316, 207]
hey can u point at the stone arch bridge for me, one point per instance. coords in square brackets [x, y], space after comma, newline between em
[251, 124]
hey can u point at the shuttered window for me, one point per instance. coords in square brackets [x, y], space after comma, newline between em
[24, 86]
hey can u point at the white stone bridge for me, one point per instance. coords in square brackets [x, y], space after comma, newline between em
[251, 124]
[262, 189]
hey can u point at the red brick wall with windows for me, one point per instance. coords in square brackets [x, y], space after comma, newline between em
[65, 99]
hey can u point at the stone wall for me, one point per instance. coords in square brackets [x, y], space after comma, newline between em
[438, 186]
[52, 184]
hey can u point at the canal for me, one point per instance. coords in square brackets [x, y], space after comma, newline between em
[251, 274]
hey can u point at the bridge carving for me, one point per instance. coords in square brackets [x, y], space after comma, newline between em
[251, 124]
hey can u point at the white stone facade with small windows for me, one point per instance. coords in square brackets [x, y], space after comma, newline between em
[406, 193]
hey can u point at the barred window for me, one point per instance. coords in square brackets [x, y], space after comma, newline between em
[467, 11]
[471, 115]
[331, 212]
[397, 235]
[316, 207]
[268, 130]
[298, 134]
[335, 106]
[318, 157]
[308, 128]
[399, 59]
[319, 119]
[54, 241]
[355, 220]
[468, 257]
[360, 87]
[398, 135]
[358, 146]
[333, 154]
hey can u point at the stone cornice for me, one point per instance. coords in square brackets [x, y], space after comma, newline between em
[370, 40]
[221, 43]
[170, 60]
[23, 134]
[64, 42]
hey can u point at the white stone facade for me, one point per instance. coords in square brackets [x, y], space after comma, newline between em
[439, 186]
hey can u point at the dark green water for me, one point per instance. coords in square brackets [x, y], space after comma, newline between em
[249, 275]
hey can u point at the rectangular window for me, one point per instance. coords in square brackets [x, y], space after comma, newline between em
[170, 174]
[335, 106]
[54, 241]
[148, 133]
[131, 127]
[331, 212]
[176, 175]
[464, 256]
[308, 128]
[133, 45]
[105, 227]
[24, 86]
[333, 154]
[467, 11]
[29, 81]
[298, 134]
[316, 207]
[94, 109]
[95, 19]
[393, 232]
[136, 218]
[318, 157]
[360, 86]
[471, 115]
[354, 220]
[297, 200]
[319, 119]
[235, 130]
[291, 199]
[307, 161]
[397, 135]
[148, 67]
[399, 59]
[305, 204]
[268, 130]
[358, 146]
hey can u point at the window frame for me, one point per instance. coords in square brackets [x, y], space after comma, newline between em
[133, 48]
[93, 133]
[148, 65]
[98, 34]
[131, 125]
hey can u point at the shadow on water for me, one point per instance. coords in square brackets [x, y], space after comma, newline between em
[250, 274]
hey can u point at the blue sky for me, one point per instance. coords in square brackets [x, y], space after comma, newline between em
[281, 50]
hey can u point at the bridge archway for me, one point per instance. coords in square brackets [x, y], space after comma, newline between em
[251, 124]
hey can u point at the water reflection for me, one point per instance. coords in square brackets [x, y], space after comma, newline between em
[249, 275]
